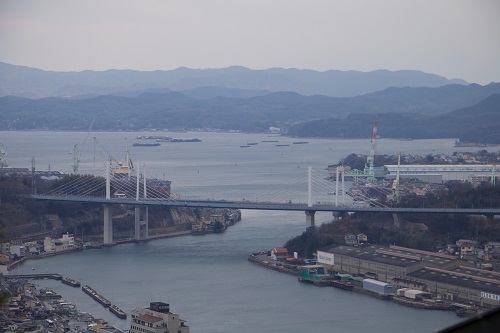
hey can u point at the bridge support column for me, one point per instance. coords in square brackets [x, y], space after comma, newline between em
[395, 218]
[141, 223]
[108, 225]
[310, 218]
[337, 216]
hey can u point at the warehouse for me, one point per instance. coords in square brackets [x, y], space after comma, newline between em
[381, 262]
[463, 284]
[442, 275]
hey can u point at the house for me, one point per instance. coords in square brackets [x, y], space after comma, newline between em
[466, 248]
[350, 239]
[279, 253]
[362, 238]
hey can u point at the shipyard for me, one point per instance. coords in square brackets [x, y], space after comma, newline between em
[406, 276]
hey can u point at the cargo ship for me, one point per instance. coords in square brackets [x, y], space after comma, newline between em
[124, 181]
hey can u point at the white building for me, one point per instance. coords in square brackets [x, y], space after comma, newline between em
[66, 242]
[157, 319]
[440, 173]
[18, 250]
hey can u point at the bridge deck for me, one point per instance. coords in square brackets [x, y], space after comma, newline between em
[265, 205]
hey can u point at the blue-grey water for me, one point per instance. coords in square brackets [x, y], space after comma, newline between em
[207, 279]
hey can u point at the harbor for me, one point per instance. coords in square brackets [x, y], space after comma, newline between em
[216, 254]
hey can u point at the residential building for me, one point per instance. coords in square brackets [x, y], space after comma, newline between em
[279, 253]
[18, 250]
[157, 319]
[350, 239]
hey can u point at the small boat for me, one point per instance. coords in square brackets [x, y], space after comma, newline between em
[281, 145]
[270, 140]
[332, 193]
[244, 146]
[300, 142]
[252, 143]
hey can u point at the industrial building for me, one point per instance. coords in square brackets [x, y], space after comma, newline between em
[462, 284]
[443, 275]
[441, 173]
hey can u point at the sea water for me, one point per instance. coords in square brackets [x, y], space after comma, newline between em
[207, 279]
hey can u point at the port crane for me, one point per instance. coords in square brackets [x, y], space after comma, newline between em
[78, 153]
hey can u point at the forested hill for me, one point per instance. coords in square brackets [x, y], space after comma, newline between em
[478, 123]
[169, 110]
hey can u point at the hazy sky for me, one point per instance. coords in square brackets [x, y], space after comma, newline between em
[452, 38]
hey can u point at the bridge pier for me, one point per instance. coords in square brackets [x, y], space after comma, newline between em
[141, 212]
[310, 218]
[395, 218]
[108, 224]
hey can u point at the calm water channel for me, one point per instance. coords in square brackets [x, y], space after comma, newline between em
[207, 279]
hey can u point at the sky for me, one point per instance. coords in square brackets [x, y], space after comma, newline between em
[451, 38]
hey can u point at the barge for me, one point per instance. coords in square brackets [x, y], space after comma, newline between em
[117, 311]
[71, 282]
[315, 274]
[145, 144]
[96, 296]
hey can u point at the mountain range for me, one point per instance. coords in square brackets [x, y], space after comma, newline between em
[420, 105]
[35, 83]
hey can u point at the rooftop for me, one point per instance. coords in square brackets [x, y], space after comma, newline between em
[394, 255]
[149, 319]
[457, 279]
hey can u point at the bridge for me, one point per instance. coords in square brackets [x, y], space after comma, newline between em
[117, 188]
